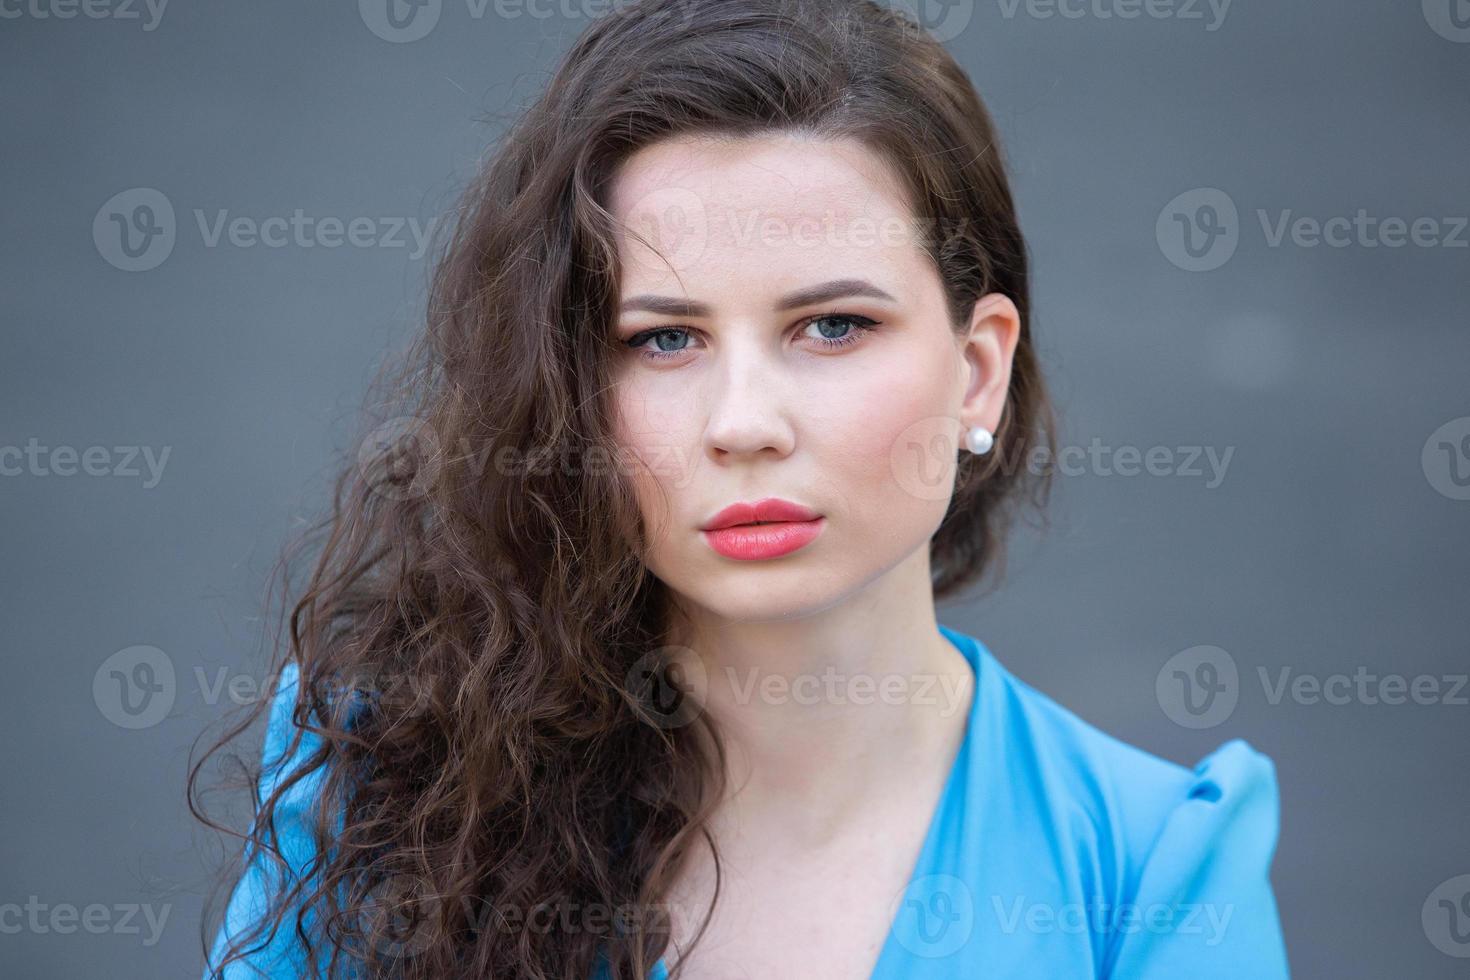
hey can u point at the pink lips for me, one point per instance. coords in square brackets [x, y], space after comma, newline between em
[767, 528]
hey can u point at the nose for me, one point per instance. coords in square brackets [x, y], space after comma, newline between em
[749, 406]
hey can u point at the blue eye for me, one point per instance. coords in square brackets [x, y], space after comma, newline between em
[659, 336]
[673, 341]
[857, 325]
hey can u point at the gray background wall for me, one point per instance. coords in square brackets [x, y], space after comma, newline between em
[1335, 376]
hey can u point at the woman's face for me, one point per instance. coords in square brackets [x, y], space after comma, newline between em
[848, 400]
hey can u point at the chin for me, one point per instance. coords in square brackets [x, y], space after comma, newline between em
[764, 591]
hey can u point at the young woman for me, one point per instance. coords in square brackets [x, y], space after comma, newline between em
[630, 666]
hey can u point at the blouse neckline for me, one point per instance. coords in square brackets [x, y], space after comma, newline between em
[923, 884]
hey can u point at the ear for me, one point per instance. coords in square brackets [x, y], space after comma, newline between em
[986, 353]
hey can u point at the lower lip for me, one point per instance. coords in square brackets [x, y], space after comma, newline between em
[752, 542]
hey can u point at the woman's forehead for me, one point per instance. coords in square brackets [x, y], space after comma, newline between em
[765, 177]
[725, 214]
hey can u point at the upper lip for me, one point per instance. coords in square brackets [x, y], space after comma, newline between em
[767, 510]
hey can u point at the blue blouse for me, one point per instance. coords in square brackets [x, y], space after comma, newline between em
[1055, 851]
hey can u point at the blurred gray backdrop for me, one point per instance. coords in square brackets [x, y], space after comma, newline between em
[1252, 278]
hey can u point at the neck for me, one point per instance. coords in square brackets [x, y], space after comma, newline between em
[822, 714]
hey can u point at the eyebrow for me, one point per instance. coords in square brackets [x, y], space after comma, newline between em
[807, 296]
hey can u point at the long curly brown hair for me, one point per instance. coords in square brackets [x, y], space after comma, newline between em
[466, 644]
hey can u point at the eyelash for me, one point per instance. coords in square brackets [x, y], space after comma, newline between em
[862, 323]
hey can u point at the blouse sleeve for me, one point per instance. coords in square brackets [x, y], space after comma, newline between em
[276, 954]
[1204, 907]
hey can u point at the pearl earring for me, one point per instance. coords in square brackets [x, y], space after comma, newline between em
[979, 440]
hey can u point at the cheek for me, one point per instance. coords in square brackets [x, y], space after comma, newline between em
[888, 445]
[654, 440]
